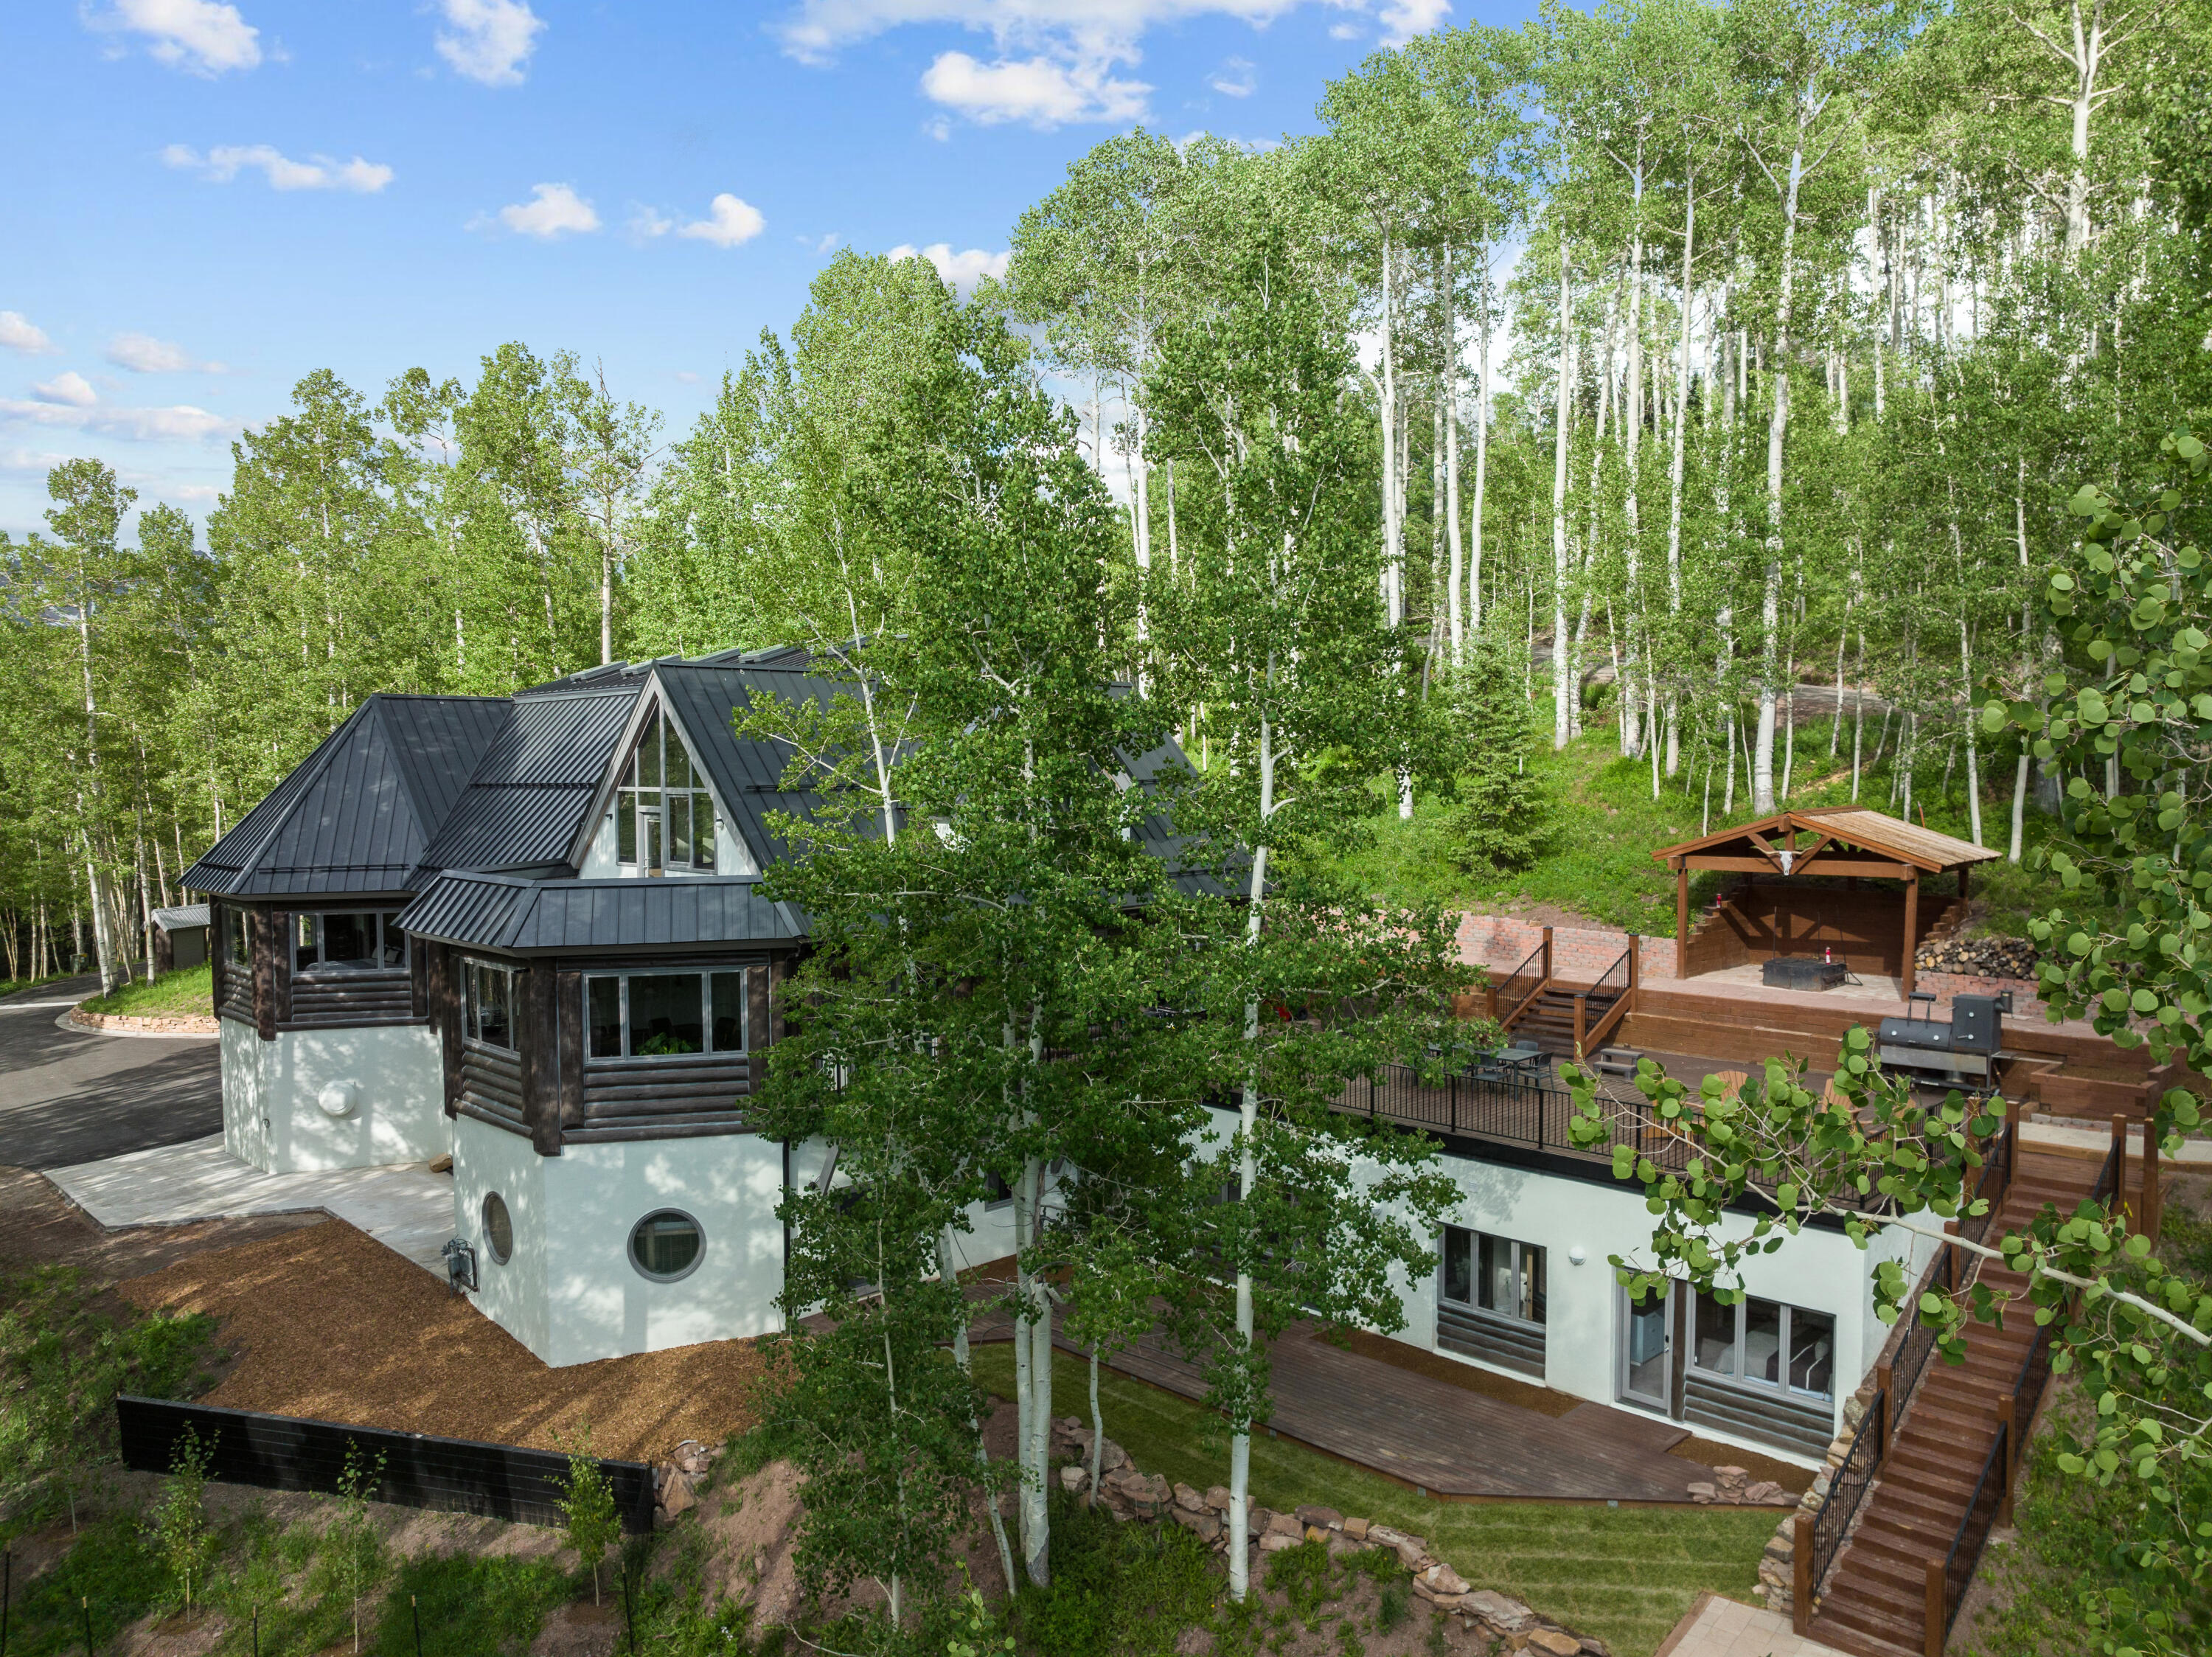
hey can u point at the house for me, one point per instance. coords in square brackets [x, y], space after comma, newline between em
[181, 937]
[529, 933]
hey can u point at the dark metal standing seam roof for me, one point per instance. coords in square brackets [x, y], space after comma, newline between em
[357, 813]
[504, 912]
[524, 806]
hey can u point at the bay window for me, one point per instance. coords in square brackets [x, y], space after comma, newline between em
[663, 815]
[487, 1003]
[630, 1015]
[348, 941]
[1764, 1344]
[238, 951]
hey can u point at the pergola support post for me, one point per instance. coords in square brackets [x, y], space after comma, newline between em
[1681, 917]
[1911, 928]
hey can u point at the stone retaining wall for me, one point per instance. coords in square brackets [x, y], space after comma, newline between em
[182, 1024]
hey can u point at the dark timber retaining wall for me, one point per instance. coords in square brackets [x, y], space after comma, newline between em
[286, 1453]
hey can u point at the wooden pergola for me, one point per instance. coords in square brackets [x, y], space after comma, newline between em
[1843, 840]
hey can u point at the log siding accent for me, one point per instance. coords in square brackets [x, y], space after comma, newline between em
[1509, 1343]
[492, 1087]
[348, 999]
[1766, 1414]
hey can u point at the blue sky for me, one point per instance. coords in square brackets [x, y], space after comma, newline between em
[213, 198]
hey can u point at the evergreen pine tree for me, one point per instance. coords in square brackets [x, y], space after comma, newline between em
[1505, 810]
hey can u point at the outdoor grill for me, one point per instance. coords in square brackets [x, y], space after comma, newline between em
[1963, 1048]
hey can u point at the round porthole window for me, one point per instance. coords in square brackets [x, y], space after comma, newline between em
[498, 1228]
[666, 1245]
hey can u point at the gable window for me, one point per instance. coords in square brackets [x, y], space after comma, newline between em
[663, 815]
[665, 1015]
[1765, 1344]
[1495, 1274]
[487, 1003]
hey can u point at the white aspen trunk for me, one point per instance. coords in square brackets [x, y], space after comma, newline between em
[1481, 458]
[1248, 1177]
[1394, 526]
[1450, 400]
[1562, 671]
[1778, 431]
[948, 1256]
[1676, 462]
[1631, 735]
[2020, 768]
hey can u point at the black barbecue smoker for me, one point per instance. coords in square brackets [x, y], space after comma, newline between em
[1959, 1053]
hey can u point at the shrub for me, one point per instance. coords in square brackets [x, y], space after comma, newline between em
[587, 1504]
[177, 1527]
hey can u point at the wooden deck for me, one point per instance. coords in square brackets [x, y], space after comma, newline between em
[1440, 1438]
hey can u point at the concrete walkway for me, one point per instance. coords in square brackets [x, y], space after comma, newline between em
[405, 1207]
[1716, 1627]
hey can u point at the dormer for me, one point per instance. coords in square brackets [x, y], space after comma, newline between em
[661, 817]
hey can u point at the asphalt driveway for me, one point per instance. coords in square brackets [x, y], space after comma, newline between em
[67, 1097]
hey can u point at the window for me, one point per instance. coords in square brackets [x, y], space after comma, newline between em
[233, 933]
[1767, 1343]
[666, 1245]
[665, 1014]
[487, 1003]
[663, 814]
[1494, 1273]
[498, 1228]
[348, 941]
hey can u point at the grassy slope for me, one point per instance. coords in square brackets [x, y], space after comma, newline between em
[1625, 1575]
[1607, 826]
[171, 996]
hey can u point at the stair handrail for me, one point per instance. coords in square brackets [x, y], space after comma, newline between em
[1500, 994]
[1821, 1535]
[1947, 1582]
[1614, 1005]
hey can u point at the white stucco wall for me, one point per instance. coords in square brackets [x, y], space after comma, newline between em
[513, 1294]
[273, 1115]
[1821, 1271]
[569, 1292]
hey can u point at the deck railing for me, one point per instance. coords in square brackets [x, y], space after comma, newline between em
[1599, 1008]
[1494, 1099]
[1821, 1535]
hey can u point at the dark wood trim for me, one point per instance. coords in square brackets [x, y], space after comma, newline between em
[538, 1030]
[1824, 865]
[445, 1019]
[569, 1016]
[763, 1007]
[261, 924]
[218, 951]
[418, 976]
[280, 960]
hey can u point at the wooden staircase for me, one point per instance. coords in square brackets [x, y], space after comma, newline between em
[1565, 1020]
[1879, 1600]
[1549, 1022]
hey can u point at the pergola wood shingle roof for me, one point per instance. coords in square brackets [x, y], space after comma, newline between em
[1836, 840]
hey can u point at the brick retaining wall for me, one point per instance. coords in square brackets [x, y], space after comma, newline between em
[1578, 953]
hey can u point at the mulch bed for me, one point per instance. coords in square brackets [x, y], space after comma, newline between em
[329, 1324]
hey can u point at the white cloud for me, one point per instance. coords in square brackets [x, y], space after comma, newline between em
[1238, 77]
[685, 377]
[19, 333]
[78, 409]
[1045, 92]
[646, 222]
[1058, 61]
[72, 388]
[730, 222]
[553, 210]
[206, 494]
[37, 460]
[962, 270]
[225, 161]
[821, 244]
[490, 40]
[202, 36]
[142, 353]
[938, 127]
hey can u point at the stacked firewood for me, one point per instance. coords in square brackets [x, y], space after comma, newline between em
[1986, 957]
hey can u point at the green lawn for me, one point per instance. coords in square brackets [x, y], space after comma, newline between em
[173, 994]
[1624, 1573]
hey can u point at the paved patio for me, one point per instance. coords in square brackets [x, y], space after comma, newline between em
[1715, 1627]
[405, 1207]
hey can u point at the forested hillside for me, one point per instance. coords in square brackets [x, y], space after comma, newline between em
[1714, 375]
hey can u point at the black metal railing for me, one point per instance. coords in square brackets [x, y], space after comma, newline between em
[1847, 1487]
[1523, 981]
[1500, 1097]
[1973, 1532]
[1917, 1339]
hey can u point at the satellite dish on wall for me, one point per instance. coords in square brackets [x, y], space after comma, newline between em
[337, 1099]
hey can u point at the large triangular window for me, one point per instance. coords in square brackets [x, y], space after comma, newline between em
[663, 815]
